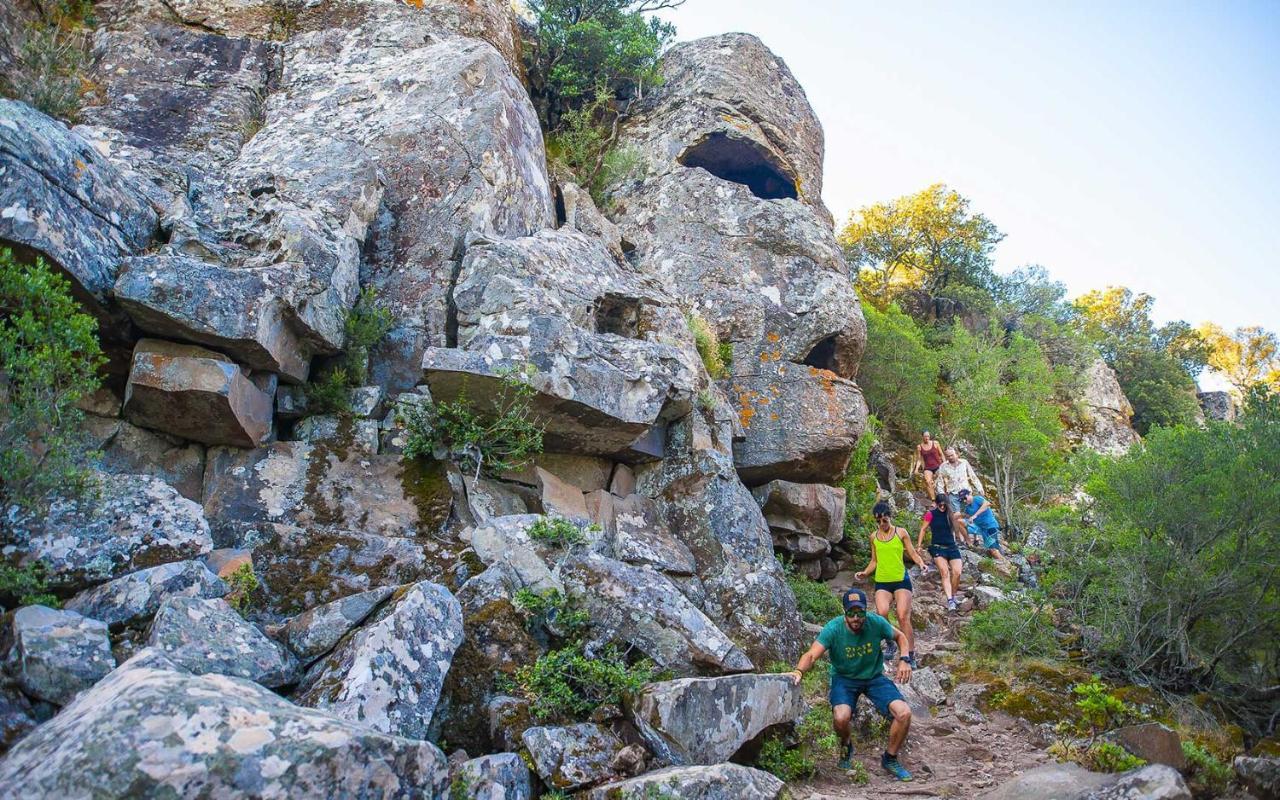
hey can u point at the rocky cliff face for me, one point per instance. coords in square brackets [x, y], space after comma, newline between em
[1109, 429]
[248, 171]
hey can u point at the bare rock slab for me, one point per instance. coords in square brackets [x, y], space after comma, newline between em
[313, 633]
[1260, 775]
[642, 606]
[196, 394]
[802, 508]
[574, 755]
[718, 782]
[706, 720]
[149, 730]
[388, 674]
[56, 654]
[208, 636]
[133, 521]
[1153, 743]
[134, 597]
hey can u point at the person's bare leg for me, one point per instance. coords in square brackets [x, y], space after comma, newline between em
[944, 572]
[900, 726]
[902, 597]
[957, 566]
[842, 722]
[928, 484]
[882, 602]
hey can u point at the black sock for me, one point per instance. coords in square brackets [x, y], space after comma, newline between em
[890, 757]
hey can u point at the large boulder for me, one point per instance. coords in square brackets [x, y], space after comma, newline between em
[641, 536]
[501, 776]
[330, 485]
[17, 717]
[137, 596]
[54, 654]
[149, 730]
[1070, 782]
[388, 674]
[1218, 405]
[129, 450]
[741, 584]
[314, 632]
[1153, 743]
[804, 518]
[718, 782]
[726, 210]
[204, 636]
[572, 756]
[604, 342]
[128, 523]
[706, 720]
[642, 607]
[1152, 782]
[63, 199]
[1260, 775]
[196, 394]
[1109, 431]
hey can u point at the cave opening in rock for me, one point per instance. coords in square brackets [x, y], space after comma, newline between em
[741, 161]
[823, 355]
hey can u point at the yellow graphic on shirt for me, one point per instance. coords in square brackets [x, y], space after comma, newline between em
[851, 651]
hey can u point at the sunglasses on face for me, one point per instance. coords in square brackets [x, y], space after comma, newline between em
[855, 613]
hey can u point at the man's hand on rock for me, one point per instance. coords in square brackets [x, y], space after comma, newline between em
[796, 676]
[904, 672]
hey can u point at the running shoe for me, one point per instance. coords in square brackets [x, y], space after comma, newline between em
[846, 761]
[911, 659]
[952, 605]
[890, 652]
[894, 767]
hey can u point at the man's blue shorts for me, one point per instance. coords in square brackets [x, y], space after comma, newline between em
[990, 538]
[879, 690]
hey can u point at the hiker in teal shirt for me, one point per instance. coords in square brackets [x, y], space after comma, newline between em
[853, 643]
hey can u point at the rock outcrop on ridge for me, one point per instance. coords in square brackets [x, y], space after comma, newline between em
[244, 170]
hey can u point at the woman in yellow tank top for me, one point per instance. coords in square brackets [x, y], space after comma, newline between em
[892, 581]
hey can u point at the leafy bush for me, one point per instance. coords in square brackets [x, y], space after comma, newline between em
[48, 69]
[861, 489]
[497, 441]
[243, 583]
[581, 50]
[49, 360]
[1008, 628]
[1108, 757]
[556, 612]
[366, 324]
[716, 356]
[26, 586]
[814, 600]
[556, 531]
[1100, 710]
[1207, 774]
[568, 684]
[795, 756]
[1176, 575]
[899, 373]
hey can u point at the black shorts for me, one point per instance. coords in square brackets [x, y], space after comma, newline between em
[905, 583]
[949, 552]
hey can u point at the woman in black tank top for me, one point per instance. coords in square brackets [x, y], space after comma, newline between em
[943, 547]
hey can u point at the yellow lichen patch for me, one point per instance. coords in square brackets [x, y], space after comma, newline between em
[772, 337]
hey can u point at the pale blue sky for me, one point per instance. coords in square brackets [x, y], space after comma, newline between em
[1134, 143]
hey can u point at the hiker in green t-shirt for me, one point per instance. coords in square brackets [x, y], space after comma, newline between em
[852, 643]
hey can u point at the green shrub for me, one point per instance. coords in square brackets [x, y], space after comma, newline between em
[580, 50]
[795, 756]
[553, 610]
[556, 531]
[243, 583]
[500, 440]
[861, 490]
[1008, 628]
[814, 599]
[48, 70]
[1108, 757]
[568, 684]
[1100, 710]
[49, 360]
[1207, 774]
[26, 586]
[366, 324]
[899, 372]
[710, 349]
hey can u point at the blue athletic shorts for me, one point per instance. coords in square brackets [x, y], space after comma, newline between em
[879, 690]
[990, 539]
